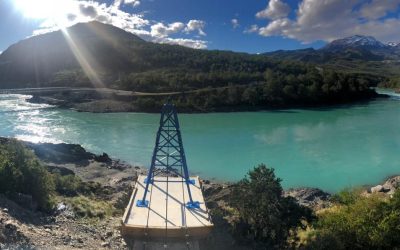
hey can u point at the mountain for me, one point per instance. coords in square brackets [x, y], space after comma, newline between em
[393, 44]
[355, 42]
[100, 55]
[37, 59]
[361, 54]
[103, 55]
[354, 47]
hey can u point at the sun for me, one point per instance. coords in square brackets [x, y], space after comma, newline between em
[45, 9]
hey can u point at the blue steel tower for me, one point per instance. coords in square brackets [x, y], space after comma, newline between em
[168, 155]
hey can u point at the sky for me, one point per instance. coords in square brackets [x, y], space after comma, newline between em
[252, 26]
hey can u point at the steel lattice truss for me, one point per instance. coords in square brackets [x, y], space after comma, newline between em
[169, 155]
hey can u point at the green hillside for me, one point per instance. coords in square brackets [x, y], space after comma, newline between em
[100, 55]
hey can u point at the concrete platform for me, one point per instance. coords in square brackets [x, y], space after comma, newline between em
[166, 217]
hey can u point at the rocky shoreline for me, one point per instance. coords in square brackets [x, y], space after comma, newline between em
[21, 227]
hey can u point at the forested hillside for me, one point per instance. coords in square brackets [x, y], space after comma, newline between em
[100, 55]
[355, 54]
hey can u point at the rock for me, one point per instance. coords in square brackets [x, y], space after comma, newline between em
[64, 210]
[10, 225]
[61, 207]
[309, 197]
[5, 210]
[102, 158]
[61, 153]
[105, 244]
[376, 189]
[392, 184]
[216, 192]
[66, 239]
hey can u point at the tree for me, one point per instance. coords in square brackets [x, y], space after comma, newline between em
[21, 172]
[265, 216]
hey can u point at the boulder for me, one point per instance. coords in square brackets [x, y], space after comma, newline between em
[309, 197]
[102, 158]
[376, 189]
[61, 207]
[392, 184]
[105, 244]
[61, 153]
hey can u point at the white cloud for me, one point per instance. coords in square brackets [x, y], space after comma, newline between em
[276, 27]
[161, 30]
[196, 25]
[252, 29]
[378, 8]
[134, 3]
[160, 33]
[275, 9]
[150, 30]
[235, 23]
[332, 19]
[87, 10]
[192, 43]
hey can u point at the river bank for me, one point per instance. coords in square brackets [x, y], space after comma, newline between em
[105, 100]
[24, 227]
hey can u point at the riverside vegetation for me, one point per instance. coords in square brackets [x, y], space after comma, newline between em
[21, 172]
[254, 211]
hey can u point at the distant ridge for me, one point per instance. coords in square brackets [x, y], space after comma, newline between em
[362, 47]
[357, 41]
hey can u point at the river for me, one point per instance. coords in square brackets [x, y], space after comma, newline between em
[331, 148]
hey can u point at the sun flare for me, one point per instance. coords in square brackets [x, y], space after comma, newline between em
[45, 9]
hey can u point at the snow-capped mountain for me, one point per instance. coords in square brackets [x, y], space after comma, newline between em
[357, 41]
[363, 48]
[393, 44]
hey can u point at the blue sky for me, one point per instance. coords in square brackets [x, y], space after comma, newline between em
[240, 25]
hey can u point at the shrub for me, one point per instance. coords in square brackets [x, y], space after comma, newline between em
[347, 196]
[90, 208]
[265, 216]
[21, 172]
[72, 185]
[367, 223]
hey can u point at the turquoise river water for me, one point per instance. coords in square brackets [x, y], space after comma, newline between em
[329, 148]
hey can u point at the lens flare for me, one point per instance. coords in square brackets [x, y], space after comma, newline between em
[56, 10]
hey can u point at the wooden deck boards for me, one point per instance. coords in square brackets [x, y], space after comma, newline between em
[166, 211]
